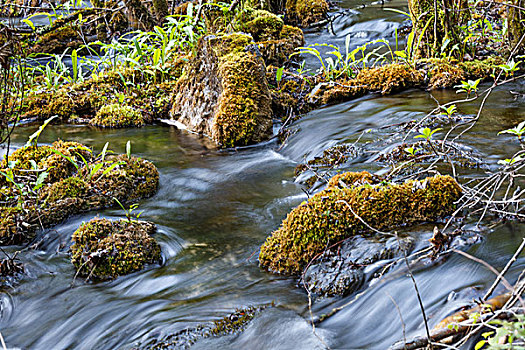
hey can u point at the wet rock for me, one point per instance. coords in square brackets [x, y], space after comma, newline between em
[231, 324]
[338, 212]
[105, 249]
[224, 93]
[339, 271]
[47, 184]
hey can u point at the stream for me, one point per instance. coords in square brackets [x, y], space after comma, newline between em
[215, 208]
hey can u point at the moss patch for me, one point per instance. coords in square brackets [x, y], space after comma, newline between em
[104, 249]
[326, 217]
[67, 191]
[306, 12]
[116, 115]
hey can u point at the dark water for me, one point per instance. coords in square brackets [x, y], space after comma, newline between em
[215, 208]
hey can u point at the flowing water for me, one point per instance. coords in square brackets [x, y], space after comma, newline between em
[215, 208]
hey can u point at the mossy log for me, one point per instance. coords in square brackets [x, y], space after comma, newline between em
[224, 93]
[327, 216]
[104, 249]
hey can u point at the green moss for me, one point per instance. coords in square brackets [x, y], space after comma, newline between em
[130, 180]
[104, 249]
[116, 115]
[67, 191]
[261, 24]
[306, 12]
[9, 218]
[243, 111]
[68, 188]
[326, 218]
[57, 166]
[389, 78]
[57, 41]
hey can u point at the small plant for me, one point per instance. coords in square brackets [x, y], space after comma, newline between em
[412, 151]
[518, 130]
[468, 86]
[505, 336]
[510, 67]
[128, 149]
[449, 112]
[279, 76]
[426, 133]
[128, 211]
[511, 161]
[33, 139]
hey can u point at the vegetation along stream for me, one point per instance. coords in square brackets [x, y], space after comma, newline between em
[295, 174]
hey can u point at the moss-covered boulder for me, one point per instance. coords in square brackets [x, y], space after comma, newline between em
[105, 249]
[56, 160]
[276, 40]
[327, 217]
[224, 93]
[76, 181]
[116, 115]
[306, 12]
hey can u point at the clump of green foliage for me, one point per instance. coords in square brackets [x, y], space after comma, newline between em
[327, 216]
[105, 249]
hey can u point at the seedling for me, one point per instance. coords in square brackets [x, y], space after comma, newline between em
[449, 112]
[510, 67]
[426, 133]
[412, 151]
[468, 86]
[128, 211]
[509, 162]
[518, 130]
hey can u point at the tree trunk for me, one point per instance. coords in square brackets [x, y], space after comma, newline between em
[516, 22]
[437, 21]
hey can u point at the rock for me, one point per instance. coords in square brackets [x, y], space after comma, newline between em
[332, 215]
[306, 12]
[116, 115]
[224, 93]
[339, 271]
[105, 249]
[76, 181]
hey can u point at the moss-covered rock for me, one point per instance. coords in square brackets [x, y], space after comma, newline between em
[306, 12]
[75, 183]
[58, 40]
[327, 217]
[53, 159]
[81, 101]
[224, 93]
[116, 115]
[105, 249]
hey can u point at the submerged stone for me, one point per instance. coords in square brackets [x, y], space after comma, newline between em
[105, 249]
[340, 270]
[332, 215]
[224, 94]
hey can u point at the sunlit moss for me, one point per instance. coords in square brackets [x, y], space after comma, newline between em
[116, 115]
[327, 216]
[105, 249]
